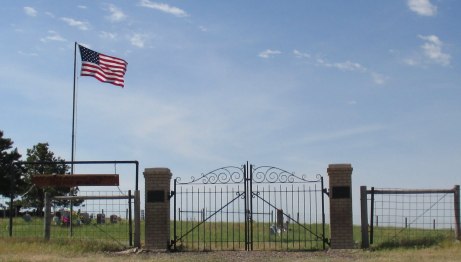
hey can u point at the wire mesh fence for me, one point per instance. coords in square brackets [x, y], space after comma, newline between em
[412, 217]
[105, 219]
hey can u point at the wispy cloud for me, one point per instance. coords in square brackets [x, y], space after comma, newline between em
[27, 54]
[299, 54]
[138, 40]
[53, 36]
[82, 6]
[432, 49]
[107, 35]
[269, 53]
[341, 134]
[343, 66]
[30, 11]
[76, 23]
[379, 79]
[164, 8]
[349, 66]
[422, 7]
[116, 14]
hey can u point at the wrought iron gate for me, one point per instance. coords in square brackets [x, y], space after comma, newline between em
[248, 207]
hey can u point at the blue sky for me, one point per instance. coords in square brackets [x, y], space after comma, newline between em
[293, 84]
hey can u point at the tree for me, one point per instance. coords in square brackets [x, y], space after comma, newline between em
[10, 174]
[35, 197]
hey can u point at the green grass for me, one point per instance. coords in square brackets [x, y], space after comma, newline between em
[117, 233]
[392, 237]
[226, 236]
[231, 236]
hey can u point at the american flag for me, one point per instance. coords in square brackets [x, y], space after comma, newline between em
[107, 69]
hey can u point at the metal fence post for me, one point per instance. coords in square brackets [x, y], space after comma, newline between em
[364, 216]
[137, 219]
[457, 211]
[47, 217]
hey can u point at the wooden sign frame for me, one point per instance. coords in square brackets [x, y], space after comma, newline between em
[76, 180]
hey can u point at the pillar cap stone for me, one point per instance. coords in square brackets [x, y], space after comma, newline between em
[339, 167]
[157, 171]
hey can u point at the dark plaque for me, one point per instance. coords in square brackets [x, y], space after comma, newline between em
[341, 192]
[155, 196]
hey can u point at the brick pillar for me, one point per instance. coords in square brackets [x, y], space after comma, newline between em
[341, 206]
[157, 214]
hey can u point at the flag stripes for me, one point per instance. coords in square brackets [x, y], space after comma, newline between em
[107, 69]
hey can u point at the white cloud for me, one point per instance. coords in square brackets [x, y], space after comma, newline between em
[432, 49]
[53, 36]
[30, 11]
[422, 7]
[164, 8]
[138, 40]
[343, 66]
[75, 23]
[27, 54]
[82, 6]
[107, 35]
[342, 134]
[116, 15]
[299, 54]
[349, 66]
[379, 79]
[269, 53]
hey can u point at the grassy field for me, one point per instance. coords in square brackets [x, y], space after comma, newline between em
[15, 249]
[225, 236]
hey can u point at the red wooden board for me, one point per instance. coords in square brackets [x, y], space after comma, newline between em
[76, 180]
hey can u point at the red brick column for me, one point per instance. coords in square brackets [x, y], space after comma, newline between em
[157, 216]
[341, 206]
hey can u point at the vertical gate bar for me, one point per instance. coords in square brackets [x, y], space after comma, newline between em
[316, 213]
[221, 219]
[198, 218]
[251, 207]
[372, 210]
[245, 204]
[175, 236]
[286, 206]
[281, 207]
[292, 214]
[272, 215]
[252, 218]
[193, 214]
[264, 221]
[310, 216]
[324, 240]
[130, 222]
[227, 217]
[304, 216]
[233, 218]
[216, 219]
[299, 231]
[204, 217]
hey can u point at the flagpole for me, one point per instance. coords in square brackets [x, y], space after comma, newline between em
[73, 111]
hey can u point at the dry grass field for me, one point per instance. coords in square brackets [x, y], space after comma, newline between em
[33, 250]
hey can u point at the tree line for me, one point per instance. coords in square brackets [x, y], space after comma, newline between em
[16, 176]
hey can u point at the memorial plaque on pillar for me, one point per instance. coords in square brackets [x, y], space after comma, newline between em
[338, 192]
[155, 196]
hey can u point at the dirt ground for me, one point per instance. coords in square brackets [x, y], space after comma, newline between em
[446, 254]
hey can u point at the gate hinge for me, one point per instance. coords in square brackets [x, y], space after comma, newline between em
[172, 193]
[325, 191]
